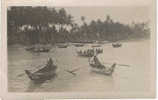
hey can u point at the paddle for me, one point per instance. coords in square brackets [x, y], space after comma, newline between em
[119, 64]
[123, 65]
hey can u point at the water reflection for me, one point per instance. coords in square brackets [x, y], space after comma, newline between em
[33, 85]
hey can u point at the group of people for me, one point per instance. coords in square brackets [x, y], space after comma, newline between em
[90, 52]
[50, 65]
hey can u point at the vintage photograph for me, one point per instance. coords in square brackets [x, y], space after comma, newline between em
[79, 49]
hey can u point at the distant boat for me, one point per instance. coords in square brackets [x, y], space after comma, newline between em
[44, 73]
[100, 42]
[100, 68]
[85, 54]
[96, 45]
[39, 48]
[116, 45]
[79, 45]
[30, 48]
[62, 45]
[89, 52]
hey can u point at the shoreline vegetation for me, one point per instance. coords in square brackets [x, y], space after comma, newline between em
[44, 25]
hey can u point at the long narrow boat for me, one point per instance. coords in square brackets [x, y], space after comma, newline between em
[86, 53]
[38, 49]
[100, 68]
[41, 50]
[44, 73]
[116, 45]
[30, 48]
[62, 45]
[79, 45]
[89, 52]
[96, 45]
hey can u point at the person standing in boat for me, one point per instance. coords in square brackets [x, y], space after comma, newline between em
[50, 63]
[96, 60]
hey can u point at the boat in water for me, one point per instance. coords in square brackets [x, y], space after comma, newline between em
[96, 45]
[41, 50]
[30, 48]
[97, 67]
[86, 53]
[45, 73]
[116, 45]
[62, 45]
[38, 48]
[89, 52]
[79, 45]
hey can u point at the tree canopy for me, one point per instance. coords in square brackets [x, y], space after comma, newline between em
[32, 25]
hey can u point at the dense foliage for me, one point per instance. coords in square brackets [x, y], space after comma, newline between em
[33, 25]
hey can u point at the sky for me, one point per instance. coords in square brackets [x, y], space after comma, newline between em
[124, 15]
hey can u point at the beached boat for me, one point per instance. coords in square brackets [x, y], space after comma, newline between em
[45, 73]
[100, 68]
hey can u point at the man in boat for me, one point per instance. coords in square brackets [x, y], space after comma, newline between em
[50, 64]
[96, 61]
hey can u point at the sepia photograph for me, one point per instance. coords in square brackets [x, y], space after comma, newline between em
[66, 49]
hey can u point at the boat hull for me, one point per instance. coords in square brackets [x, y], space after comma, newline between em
[41, 76]
[101, 71]
[116, 45]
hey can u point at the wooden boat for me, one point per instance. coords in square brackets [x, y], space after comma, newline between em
[79, 45]
[116, 45]
[101, 69]
[41, 50]
[44, 73]
[30, 48]
[86, 53]
[38, 49]
[62, 46]
[97, 45]
[89, 52]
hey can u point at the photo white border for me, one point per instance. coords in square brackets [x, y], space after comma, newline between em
[45, 95]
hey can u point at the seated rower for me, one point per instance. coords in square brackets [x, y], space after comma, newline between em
[97, 62]
[50, 63]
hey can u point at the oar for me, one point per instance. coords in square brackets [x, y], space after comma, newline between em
[22, 74]
[119, 64]
[123, 65]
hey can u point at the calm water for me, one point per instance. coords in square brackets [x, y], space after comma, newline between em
[133, 78]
